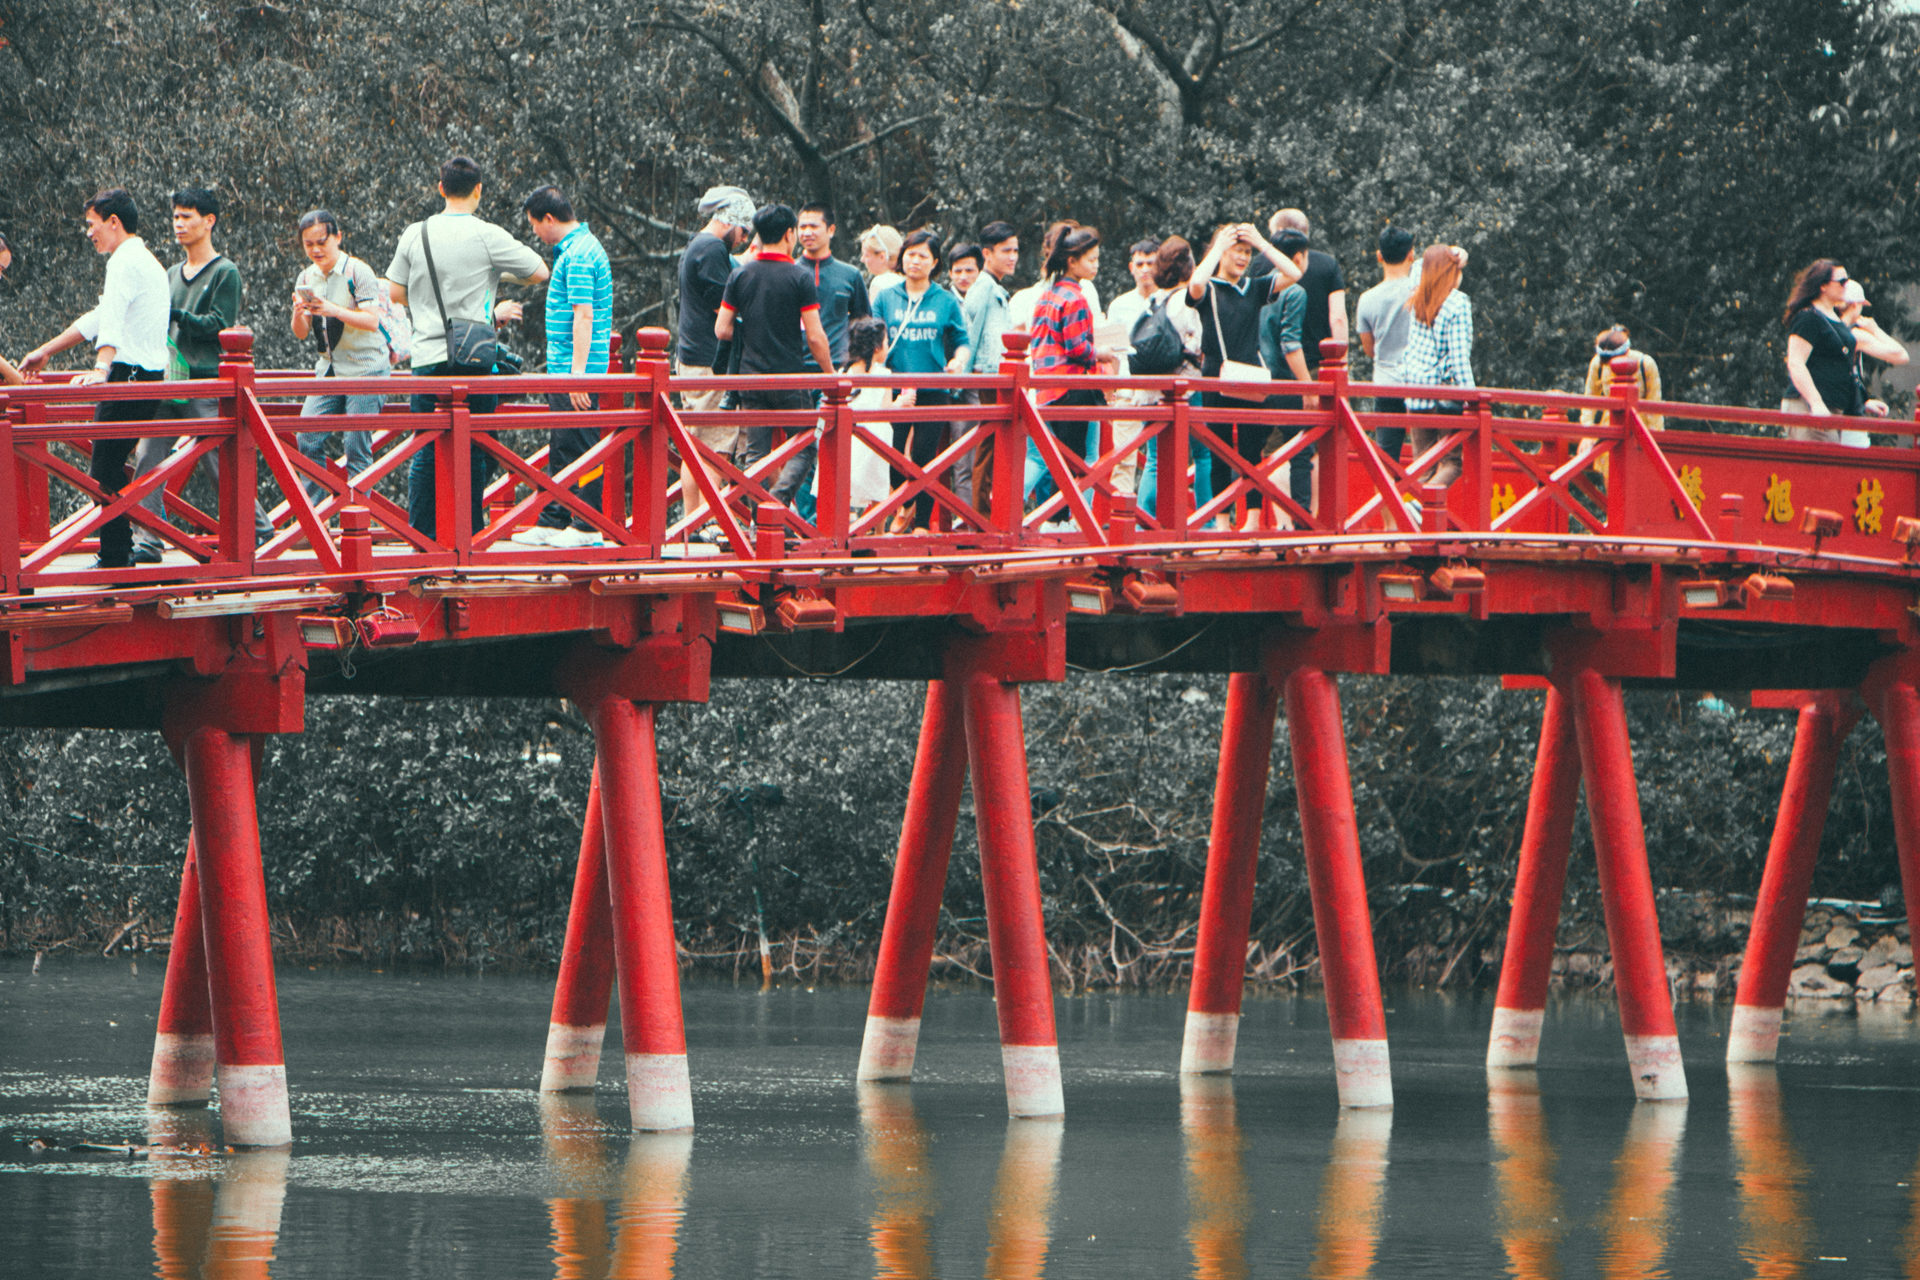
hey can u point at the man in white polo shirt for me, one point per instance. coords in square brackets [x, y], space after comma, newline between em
[129, 331]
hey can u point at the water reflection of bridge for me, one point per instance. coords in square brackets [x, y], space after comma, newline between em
[1576, 558]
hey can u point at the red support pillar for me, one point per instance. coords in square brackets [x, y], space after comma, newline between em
[1626, 887]
[182, 1072]
[1540, 883]
[1010, 875]
[585, 984]
[919, 876]
[1899, 715]
[1339, 889]
[659, 1093]
[1781, 910]
[1233, 852]
[239, 948]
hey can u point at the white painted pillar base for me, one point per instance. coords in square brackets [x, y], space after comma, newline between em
[1515, 1040]
[573, 1058]
[1657, 1072]
[182, 1072]
[659, 1092]
[887, 1048]
[253, 1106]
[1208, 1046]
[1033, 1080]
[1362, 1073]
[1754, 1034]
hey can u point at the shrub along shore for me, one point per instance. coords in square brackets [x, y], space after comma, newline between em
[445, 832]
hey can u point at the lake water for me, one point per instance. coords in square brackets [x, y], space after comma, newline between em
[423, 1150]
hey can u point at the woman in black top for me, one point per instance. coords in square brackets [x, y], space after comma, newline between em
[1820, 348]
[1229, 303]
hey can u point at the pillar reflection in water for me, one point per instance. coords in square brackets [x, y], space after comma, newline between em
[215, 1217]
[643, 1235]
[1635, 1226]
[576, 1150]
[1530, 1225]
[897, 1151]
[1350, 1197]
[180, 1145]
[1022, 1222]
[1217, 1204]
[1770, 1173]
[653, 1204]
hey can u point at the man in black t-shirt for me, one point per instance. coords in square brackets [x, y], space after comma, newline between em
[771, 311]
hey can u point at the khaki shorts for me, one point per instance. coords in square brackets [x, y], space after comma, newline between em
[718, 439]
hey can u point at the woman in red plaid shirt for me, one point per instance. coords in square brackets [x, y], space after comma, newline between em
[1063, 330]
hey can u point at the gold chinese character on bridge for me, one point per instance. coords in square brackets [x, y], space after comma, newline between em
[1502, 499]
[1693, 485]
[1779, 500]
[1866, 506]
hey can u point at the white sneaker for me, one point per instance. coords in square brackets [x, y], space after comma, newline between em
[535, 536]
[571, 537]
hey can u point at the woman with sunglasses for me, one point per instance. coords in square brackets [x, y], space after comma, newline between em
[1820, 351]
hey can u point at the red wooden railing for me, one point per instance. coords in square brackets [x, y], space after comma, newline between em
[1531, 477]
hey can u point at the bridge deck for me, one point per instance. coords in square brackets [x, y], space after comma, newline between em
[1748, 562]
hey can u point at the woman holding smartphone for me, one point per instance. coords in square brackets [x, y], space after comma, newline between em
[336, 303]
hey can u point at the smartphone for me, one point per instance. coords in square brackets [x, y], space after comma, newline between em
[305, 293]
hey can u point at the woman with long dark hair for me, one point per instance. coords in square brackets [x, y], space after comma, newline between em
[1439, 349]
[1063, 322]
[1820, 350]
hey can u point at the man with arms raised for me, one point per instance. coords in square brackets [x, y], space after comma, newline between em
[773, 311]
[445, 268]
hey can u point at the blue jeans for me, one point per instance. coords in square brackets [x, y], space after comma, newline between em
[355, 444]
[422, 471]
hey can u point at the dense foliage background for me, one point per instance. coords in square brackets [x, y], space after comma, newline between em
[448, 830]
[1666, 163]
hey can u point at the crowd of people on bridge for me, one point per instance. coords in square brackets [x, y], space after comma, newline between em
[762, 294]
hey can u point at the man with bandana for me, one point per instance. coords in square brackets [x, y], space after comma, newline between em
[705, 268]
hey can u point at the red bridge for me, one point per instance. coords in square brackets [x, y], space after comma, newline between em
[1574, 558]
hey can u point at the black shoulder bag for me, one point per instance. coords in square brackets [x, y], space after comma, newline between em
[471, 343]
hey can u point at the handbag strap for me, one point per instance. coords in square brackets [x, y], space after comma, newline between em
[1219, 334]
[433, 274]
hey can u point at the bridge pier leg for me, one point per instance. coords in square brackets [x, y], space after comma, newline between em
[1527, 968]
[1339, 890]
[1899, 715]
[919, 877]
[580, 994]
[1233, 853]
[183, 1053]
[1626, 888]
[1010, 875]
[1781, 910]
[659, 1092]
[239, 949]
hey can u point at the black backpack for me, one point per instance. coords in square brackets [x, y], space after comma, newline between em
[1157, 349]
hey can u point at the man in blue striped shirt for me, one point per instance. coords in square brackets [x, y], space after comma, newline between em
[579, 331]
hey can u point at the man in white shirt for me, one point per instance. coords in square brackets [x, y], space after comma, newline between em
[1126, 311]
[470, 257]
[129, 331]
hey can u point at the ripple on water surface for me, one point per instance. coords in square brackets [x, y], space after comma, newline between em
[423, 1151]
